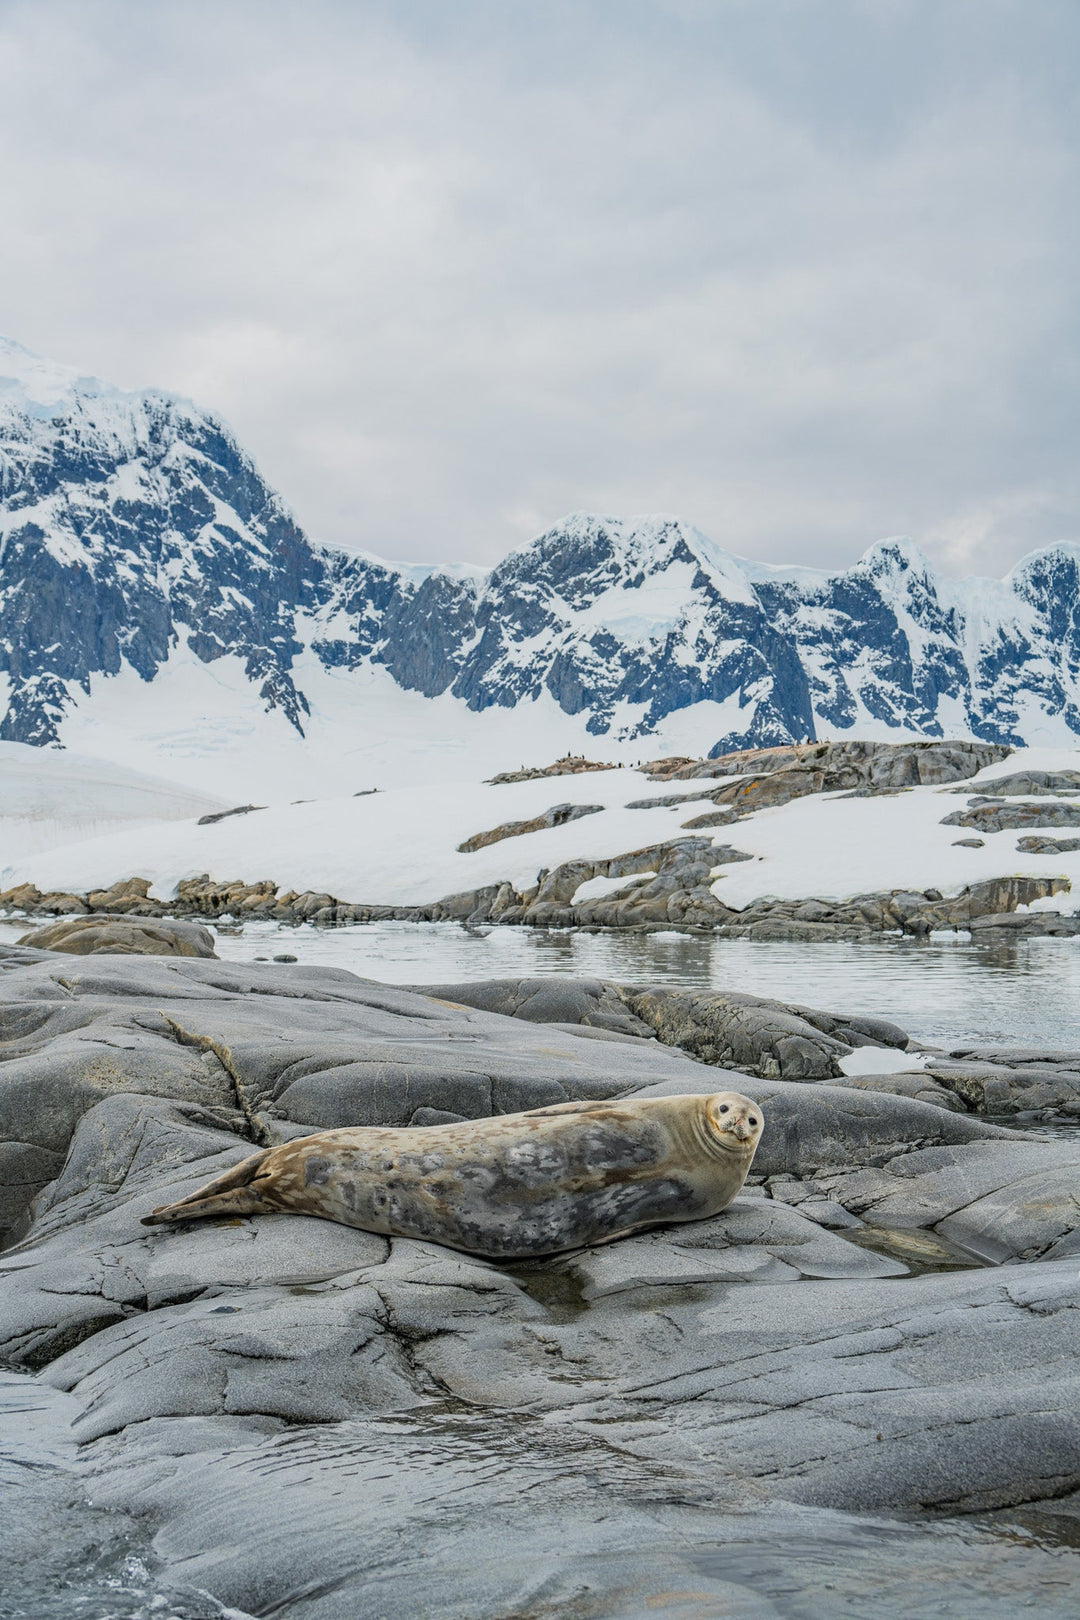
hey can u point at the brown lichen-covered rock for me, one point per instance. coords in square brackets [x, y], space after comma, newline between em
[557, 816]
[23, 897]
[710, 818]
[671, 885]
[129, 897]
[62, 904]
[667, 769]
[201, 897]
[102, 934]
[674, 886]
[569, 765]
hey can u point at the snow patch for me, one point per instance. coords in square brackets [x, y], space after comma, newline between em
[881, 1060]
[599, 888]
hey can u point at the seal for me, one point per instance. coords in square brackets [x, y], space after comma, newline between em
[507, 1188]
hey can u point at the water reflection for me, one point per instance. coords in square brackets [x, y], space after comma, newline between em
[948, 989]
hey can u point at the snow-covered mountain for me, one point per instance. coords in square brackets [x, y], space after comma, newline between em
[139, 544]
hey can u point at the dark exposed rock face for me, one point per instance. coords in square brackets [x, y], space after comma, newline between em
[137, 525]
[311, 1418]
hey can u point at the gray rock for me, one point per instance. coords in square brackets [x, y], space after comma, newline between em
[665, 801]
[258, 1044]
[222, 815]
[811, 1131]
[917, 1084]
[751, 1033]
[848, 765]
[999, 1201]
[551, 1000]
[1028, 783]
[317, 1421]
[715, 818]
[1031, 1083]
[993, 817]
[755, 1240]
[557, 816]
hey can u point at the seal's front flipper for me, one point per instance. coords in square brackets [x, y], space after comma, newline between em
[228, 1194]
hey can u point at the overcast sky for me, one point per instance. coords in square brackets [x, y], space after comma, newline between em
[803, 271]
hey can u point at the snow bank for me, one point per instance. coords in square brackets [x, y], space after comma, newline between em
[50, 797]
[399, 847]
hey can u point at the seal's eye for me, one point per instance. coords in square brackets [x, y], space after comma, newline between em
[723, 1108]
[753, 1121]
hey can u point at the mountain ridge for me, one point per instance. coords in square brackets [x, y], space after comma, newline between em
[132, 522]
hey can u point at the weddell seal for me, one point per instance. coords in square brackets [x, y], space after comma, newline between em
[510, 1187]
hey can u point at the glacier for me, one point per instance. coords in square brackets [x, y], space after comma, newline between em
[138, 541]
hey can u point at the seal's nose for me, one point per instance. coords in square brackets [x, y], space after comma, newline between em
[741, 1129]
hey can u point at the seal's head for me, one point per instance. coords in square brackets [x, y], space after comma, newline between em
[735, 1122]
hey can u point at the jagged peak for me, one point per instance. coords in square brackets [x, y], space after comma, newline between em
[37, 386]
[37, 389]
[643, 544]
[895, 555]
[1032, 560]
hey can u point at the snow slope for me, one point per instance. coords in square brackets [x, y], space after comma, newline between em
[49, 797]
[400, 847]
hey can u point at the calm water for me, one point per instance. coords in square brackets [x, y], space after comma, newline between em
[948, 990]
[944, 990]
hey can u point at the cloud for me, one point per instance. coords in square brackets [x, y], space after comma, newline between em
[804, 274]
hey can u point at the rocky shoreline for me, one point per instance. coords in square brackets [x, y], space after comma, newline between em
[669, 885]
[860, 1379]
[673, 892]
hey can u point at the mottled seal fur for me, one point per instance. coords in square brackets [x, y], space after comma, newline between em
[509, 1187]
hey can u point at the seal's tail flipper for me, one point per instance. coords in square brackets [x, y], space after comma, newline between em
[228, 1194]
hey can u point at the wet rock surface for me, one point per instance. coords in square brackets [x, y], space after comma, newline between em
[308, 1420]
